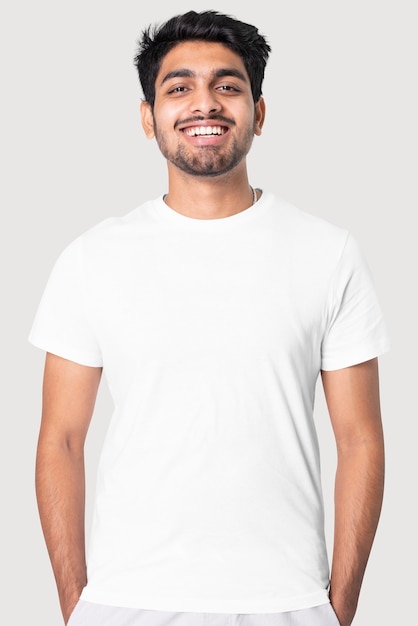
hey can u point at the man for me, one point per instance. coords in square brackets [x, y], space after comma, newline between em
[212, 311]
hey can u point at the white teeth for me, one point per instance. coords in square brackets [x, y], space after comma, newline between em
[204, 130]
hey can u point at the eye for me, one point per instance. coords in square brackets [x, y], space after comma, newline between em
[230, 88]
[177, 89]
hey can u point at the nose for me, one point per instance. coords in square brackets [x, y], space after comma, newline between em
[204, 101]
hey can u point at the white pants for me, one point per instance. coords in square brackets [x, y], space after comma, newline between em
[91, 614]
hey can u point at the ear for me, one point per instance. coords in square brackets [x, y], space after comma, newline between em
[147, 119]
[260, 114]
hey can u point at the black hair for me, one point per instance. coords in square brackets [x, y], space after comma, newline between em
[243, 39]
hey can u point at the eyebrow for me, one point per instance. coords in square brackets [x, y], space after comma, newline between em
[221, 73]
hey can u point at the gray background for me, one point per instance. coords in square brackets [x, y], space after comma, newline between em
[340, 141]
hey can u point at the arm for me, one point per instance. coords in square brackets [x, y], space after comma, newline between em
[69, 394]
[352, 396]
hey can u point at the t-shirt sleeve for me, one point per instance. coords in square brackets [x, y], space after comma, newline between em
[61, 325]
[356, 330]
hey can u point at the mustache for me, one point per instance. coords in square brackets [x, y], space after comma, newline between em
[200, 118]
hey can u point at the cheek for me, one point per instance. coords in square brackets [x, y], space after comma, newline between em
[164, 122]
[246, 115]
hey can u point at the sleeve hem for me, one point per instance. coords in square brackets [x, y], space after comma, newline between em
[67, 352]
[356, 355]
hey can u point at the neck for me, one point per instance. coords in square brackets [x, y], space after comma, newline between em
[209, 199]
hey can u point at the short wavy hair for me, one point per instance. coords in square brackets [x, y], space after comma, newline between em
[212, 26]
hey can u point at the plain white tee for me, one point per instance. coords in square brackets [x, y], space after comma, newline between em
[212, 334]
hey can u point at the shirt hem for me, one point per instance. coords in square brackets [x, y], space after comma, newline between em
[204, 606]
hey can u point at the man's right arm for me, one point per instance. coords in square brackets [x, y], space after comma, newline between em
[68, 399]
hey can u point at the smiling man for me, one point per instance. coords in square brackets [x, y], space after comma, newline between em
[203, 92]
[212, 311]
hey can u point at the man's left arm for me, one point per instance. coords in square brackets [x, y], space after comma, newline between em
[352, 396]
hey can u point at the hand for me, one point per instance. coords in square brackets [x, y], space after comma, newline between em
[345, 615]
[68, 609]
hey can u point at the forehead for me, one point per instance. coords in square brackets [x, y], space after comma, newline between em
[201, 58]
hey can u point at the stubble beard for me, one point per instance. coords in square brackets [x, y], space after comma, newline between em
[205, 160]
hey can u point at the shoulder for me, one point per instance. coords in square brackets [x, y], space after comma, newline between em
[119, 225]
[110, 232]
[310, 234]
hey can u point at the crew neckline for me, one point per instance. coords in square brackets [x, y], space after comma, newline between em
[164, 212]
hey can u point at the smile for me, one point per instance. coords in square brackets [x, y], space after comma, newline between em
[205, 130]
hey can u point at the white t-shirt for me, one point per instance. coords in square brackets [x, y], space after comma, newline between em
[212, 334]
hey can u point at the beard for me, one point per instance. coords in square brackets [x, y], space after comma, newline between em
[205, 160]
